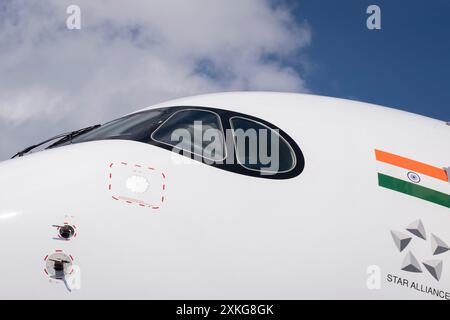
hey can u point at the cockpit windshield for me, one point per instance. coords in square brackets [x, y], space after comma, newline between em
[136, 126]
[224, 139]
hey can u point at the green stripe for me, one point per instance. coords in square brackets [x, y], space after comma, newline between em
[414, 190]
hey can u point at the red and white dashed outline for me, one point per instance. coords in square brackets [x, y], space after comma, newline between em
[73, 226]
[58, 251]
[136, 201]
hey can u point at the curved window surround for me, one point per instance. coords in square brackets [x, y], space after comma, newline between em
[196, 131]
[155, 127]
[279, 156]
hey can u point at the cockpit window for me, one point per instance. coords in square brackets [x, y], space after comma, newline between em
[136, 126]
[224, 139]
[261, 148]
[197, 132]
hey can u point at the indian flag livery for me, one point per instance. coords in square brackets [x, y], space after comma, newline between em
[414, 178]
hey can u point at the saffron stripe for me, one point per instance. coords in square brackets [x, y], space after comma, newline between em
[414, 190]
[412, 165]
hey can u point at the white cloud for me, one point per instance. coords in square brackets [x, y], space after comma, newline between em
[131, 54]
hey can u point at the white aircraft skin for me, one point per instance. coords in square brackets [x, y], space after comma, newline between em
[224, 235]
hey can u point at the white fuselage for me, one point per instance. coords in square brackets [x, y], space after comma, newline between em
[223, 235]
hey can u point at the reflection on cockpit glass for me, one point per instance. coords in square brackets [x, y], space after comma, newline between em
[196, 131]
[137, 127]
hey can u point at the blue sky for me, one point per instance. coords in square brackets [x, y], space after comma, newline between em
[405, 65]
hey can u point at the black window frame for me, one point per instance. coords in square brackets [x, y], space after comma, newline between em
[277, 133]
[232, 165]
[171, 146]
[227, 164]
